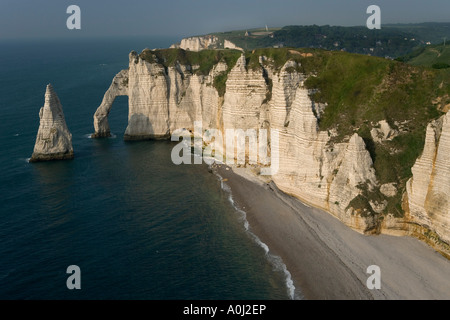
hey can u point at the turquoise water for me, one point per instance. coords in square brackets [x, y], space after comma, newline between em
[138, 226]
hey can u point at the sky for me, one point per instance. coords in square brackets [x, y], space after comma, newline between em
[38, 19]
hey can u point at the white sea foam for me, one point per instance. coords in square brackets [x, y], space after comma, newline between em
[276, 261]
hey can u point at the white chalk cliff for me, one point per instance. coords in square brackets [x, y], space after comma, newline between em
[230, 45]
[198, 43]
[325, 174]
[53, 141]
[428, 191]
[204, 42]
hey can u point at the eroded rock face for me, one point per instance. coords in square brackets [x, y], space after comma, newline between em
[198, 43]
[246, 91]
[428, 191]
[323, 174]
[162, 100]
[230, 45]
[312, 167]
[53, 141]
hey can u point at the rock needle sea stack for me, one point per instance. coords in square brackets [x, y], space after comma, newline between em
[53, 141]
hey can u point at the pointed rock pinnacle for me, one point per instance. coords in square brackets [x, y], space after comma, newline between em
[53, 141]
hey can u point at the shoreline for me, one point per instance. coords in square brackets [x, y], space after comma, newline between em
[327, 259]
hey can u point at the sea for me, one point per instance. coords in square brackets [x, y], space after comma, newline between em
[137, 226]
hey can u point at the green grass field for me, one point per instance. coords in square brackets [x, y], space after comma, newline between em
[430, 55]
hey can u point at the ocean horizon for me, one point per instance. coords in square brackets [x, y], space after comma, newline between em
[138, 226]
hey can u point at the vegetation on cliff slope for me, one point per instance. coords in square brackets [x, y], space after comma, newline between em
[205, 60]
[361, 91]
[428, 56]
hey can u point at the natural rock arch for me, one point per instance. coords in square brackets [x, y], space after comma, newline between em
[118, 87]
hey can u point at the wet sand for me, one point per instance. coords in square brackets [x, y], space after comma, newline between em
[328, 260]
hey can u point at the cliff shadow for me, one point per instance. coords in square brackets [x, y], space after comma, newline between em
[371, 148]
[118, 115]
[140, 128]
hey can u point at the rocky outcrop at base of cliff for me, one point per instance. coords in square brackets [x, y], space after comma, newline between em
[53, 141]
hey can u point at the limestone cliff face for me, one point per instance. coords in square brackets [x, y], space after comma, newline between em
[333, 176]
[160, 101]
[428, 190]
[53, 140]
[246, 91]
[204, 42]
[324, 174]
[197, 43]
[230, 45]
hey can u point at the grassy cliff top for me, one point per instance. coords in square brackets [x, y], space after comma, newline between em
[205, 59]
[434, 56]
